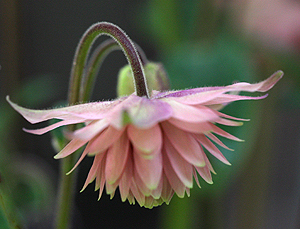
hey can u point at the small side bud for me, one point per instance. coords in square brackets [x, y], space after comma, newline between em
[156, 77]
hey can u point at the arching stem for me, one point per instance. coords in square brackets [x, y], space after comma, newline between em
[83, 49]
[93, 66]
[95, 62]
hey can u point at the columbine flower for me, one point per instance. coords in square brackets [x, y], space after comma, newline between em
[150, 147]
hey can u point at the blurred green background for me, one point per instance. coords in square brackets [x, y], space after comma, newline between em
[200, 43]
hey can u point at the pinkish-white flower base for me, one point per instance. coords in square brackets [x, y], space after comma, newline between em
[150, 147]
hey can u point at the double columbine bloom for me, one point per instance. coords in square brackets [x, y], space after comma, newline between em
[150, 147]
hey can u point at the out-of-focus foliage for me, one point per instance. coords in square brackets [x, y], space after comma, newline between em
[26, 188]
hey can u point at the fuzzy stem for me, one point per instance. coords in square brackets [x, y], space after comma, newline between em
[83, 49]
[95, 62]
[93, 66]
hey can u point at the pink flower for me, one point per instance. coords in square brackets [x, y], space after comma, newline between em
[150, 147]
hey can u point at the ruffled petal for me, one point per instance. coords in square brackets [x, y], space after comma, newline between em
[51, 127]
[150, 170]
[205, 172]
[223, 133]
[192, 114]
[167, 191]
[86, 150]
[182, 168]
[204, 95]
[224, 99]
[91, 130]
[228, 122]
[156, 193]
[138, 195]
[193, 97]
[80, 113]
[125, 182]
[146, 140]
[93, 171]
[105, 139]
[70, 148]
[116, 159]
[172, 177]
[142, 187]
[191, 127]
[218, 141]
[100, 177]
[184, 143]
[211, 148]
[262, 86]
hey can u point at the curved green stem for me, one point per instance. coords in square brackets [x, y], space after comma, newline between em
[95, 62]
[83, 49]
[93, 66]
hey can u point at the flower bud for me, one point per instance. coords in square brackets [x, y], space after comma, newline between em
[156, 77]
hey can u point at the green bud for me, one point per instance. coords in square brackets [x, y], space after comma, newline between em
[156, 77]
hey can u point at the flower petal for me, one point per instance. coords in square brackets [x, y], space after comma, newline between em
[100, 177]
[191, 127]
[116, 159]
[150, 170]
[184, 143]
[86, 150]
[138, 195]
[146, 140]
[262, 86]
[81, 112]
[204, 95]
[70, 148]
[142, 187]
[186, 92]
[51, 127]
[93, 171]
[193, 97]
[230, 117]
[172, 177]
[193, 114]
[167, 191]
[211, 148]
[204, 172]
[224, 99]
[196, 177]
[156, 193]
[228, 122]
[91, 130]
[224, 134]
[182, 168]
[218, 141]
[105, 139]
[125, 182]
